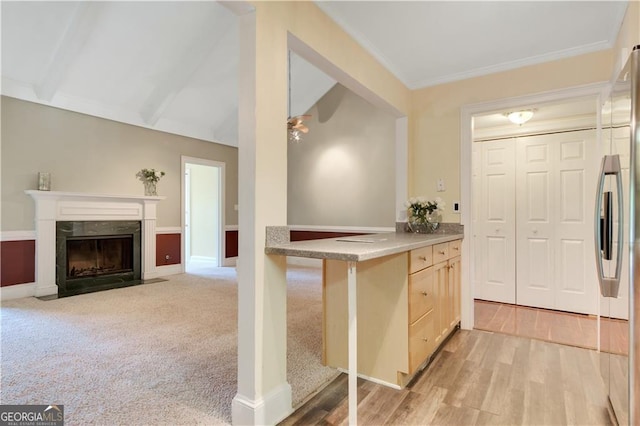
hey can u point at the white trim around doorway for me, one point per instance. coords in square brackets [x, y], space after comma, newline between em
[466, 138]
[221, 205]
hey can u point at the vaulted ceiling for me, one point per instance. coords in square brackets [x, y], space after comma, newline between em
[172, 66]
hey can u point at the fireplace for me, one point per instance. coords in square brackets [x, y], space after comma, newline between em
[97, 255]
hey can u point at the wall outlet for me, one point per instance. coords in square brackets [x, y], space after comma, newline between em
[440, 185]
[456, 206]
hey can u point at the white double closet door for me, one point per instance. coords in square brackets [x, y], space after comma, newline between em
[533, 219]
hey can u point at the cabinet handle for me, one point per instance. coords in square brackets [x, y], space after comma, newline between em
[441, 252]
[425, 339]
[423, 258]
[456, 248]
[424, 293]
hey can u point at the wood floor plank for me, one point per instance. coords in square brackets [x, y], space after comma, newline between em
[378, 406]
[417, 408]
[450, 415]
[534, 404]
[496, 395]
[464, 380]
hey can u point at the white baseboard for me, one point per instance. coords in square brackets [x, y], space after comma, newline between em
[166, 270]
[18, 291]
[206, 259]
[46, 290]
[304, 261]
[230, 261]
[269, 410]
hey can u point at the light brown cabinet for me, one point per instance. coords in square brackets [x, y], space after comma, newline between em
[408, 304]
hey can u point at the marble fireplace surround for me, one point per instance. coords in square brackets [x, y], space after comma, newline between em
[53, 206]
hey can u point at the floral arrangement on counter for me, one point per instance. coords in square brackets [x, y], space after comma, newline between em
[146, 175]
[424, 215]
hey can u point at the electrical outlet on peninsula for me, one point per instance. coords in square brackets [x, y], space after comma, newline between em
[440, 185]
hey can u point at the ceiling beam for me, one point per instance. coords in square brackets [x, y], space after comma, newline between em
[80, 27]
[203, 42]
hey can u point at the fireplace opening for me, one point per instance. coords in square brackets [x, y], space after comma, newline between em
[97, 255]
[92, 257]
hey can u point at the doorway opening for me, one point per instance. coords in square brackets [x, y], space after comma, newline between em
[533, 196]
[202, 213]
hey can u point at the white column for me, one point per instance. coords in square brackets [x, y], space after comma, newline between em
[45, 248]
[264, 396]
[149, 269]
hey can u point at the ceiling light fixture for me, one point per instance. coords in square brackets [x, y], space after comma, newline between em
[295, 127]
[520, 117]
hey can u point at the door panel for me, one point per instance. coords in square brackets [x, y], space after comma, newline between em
[576, 277]
[478, 258]
[496, 222]
[535, 248]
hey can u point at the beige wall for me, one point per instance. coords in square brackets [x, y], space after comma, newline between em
[90, 154]
[434, 149]
[342, 173]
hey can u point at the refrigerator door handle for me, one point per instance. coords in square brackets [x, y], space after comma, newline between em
[609, 285]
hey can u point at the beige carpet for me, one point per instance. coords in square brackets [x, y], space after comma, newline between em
[162, 353]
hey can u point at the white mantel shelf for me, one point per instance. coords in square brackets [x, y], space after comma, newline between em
[53, 206]
[89, 196]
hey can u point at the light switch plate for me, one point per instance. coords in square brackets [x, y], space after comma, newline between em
[440, 185]
[456, 206]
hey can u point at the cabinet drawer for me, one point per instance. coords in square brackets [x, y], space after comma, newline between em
[420, 259]
[440, 252]
[455, 248]
[421, 340]
[421, 293]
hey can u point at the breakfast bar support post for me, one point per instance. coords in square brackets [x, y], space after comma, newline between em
[353, 343]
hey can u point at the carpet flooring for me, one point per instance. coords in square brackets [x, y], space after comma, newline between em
[161, 353]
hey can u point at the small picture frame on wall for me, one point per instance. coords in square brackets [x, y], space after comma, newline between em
[44, 181]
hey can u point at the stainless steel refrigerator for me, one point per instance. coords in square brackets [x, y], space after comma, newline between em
[617, 229]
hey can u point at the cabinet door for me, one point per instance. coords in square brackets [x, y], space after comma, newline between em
[440, 273]
[422, 340]
[454, 291]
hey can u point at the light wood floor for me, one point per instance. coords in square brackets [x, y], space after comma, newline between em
[552, 326]
[477, 378]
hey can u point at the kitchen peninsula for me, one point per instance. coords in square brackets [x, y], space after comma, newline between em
[389, 300]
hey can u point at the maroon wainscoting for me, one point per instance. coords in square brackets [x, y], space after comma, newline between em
[167, 245]
[17, 262]
[230, 244]
[318, 235]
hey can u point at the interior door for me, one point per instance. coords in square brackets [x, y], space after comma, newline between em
[576, 177]
[555, 180]
[497, 222]
[535, 221]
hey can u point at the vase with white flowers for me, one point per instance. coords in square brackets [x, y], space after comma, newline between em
[424, 215]
[150, 178]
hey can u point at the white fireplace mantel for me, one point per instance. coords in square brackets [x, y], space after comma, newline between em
[53, 206]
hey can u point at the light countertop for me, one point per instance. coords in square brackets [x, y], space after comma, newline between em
[361, 247]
